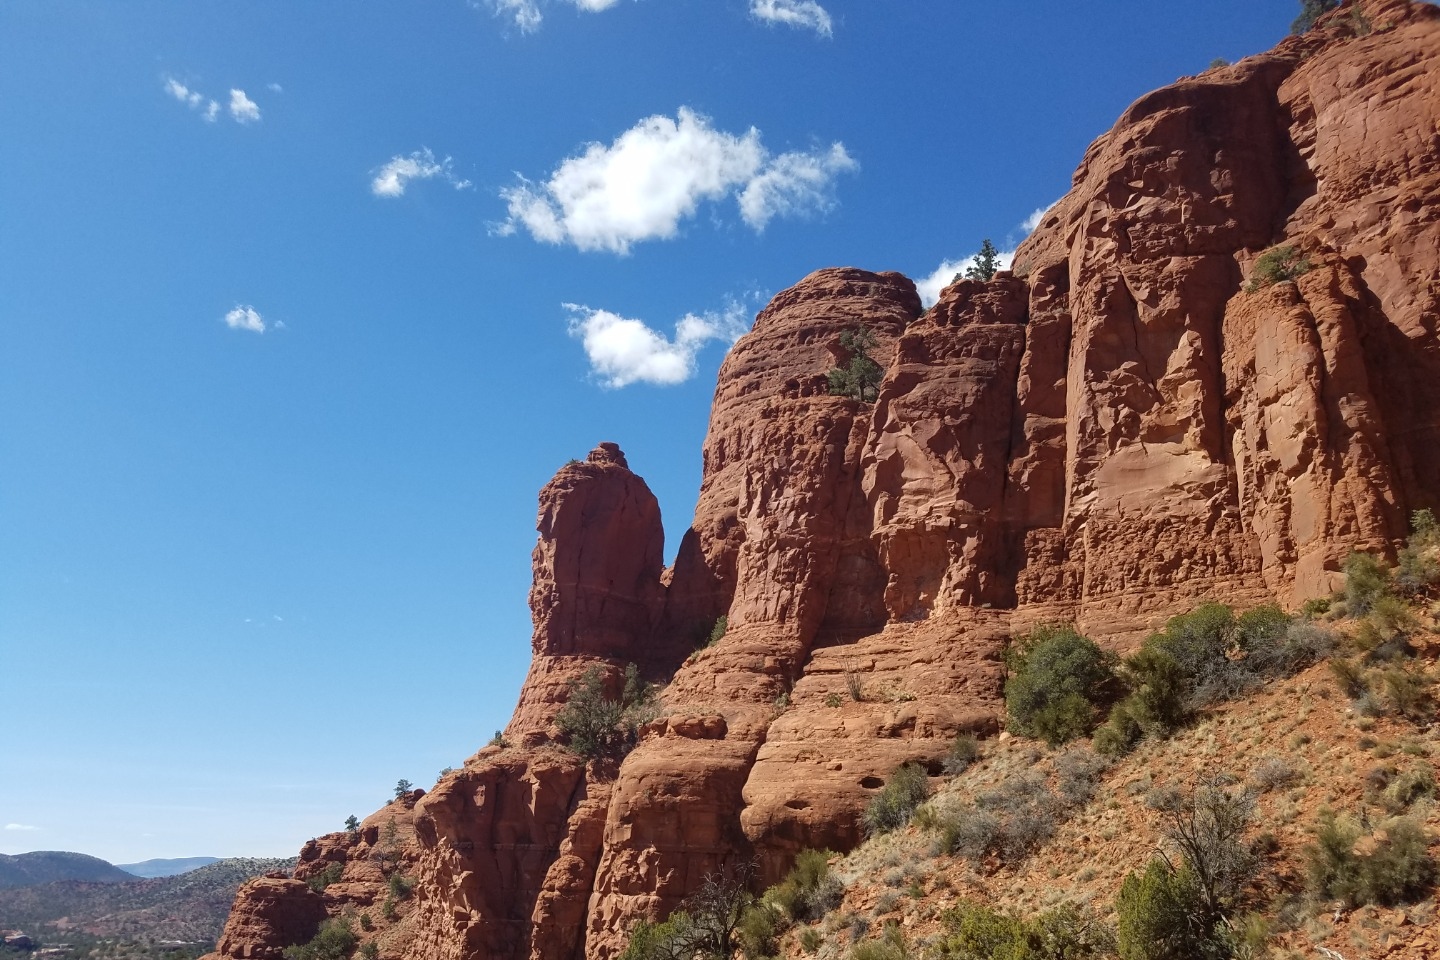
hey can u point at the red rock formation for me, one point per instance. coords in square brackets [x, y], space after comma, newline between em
[270, 913]
[1109, 434]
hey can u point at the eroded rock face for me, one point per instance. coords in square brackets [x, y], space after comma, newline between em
[1113, 432]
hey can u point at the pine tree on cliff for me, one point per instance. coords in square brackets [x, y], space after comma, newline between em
[860, 377]
[987, 263]
[1310, 11]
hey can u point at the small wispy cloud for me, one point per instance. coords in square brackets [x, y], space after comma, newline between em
[623, 350]
[274, 88]
[242, 108]
[656, 174]
[208, 109]
[391, 179]
[1028, 225]
[801, 14]
[21, 827]
[245, 318]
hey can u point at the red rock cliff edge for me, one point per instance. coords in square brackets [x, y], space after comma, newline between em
[1111, 432]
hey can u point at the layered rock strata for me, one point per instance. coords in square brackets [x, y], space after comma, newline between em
[1119, 428]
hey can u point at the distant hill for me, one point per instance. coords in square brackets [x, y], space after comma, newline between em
[189, 907]
[47, 866]
[166, 868]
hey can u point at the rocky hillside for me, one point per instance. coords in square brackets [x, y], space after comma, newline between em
[189, 907]
[1213, 372]
[46, 866]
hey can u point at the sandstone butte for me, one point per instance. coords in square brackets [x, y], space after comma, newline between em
[1111, 432]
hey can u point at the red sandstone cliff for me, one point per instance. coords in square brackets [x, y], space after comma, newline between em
[1108, 434]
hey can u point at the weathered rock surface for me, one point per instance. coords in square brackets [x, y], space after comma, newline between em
[1117, 429]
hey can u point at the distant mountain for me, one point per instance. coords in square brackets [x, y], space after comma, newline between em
[187, 907]
[166, 868]
[46, 866]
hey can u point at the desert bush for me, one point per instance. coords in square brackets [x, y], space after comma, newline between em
[1407, 692]
[1207, 826]
[964, 751]
[1077, 771]
[369, 951]
[1315, 607]
[1350, 677]
[594, 725]
[1057, 677]
[1366, 582]
[894, 805]
[1310, 11]
[1411, 785]
[1026, 810]
[1277, 265]
[331, 874]
[399, 886]
[1158, 916]
[1397, 869]
[717, 632]
[855, 687]
[335, 940]
[976, 932]
[810, 890]
[811, 939]
[1273, 772]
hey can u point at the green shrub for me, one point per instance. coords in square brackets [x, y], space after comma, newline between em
[895, 804]
[658, 941]
[1414, 784]
[399, 886]
[1063, 933]
[1315, 607]
[1398, 868]
[717, 632]
[1310, 11]
[1407, 693]
[1156, 916]
[811, 939]
[964, 751]
[1276, 265]
[1057, 677]
[1077, 773]
[1350, 677]
[335, 940]
[859, 378]
[809, 890]
[1366, 582]
[331, 874]
[594, 725]
[370, 951]
[759, 925]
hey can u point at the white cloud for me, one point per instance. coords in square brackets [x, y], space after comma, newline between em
[21, 826]
[192, 99]
[525, 13]
[594, 6]
[623, 351]
[242, 108]
[274, 88]
[657, 173]
[804, 14]
[391, 179]
[245, 318]
[929, 287]
[1028, 225]
[794, 184]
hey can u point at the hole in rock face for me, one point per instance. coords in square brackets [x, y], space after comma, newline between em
[797, 804]
[934, 768]
[872, 783]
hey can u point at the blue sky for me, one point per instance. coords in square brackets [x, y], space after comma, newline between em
[300, 304]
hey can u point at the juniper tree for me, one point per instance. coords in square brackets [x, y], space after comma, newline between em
[1310, 11]
[987, 263]
[860, 377]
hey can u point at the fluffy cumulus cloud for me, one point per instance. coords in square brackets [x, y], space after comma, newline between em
[802, 14]
[623, 351]
[193, 99]
[1029, 224]
[391, 179]
[245, 318]
[242, 108]
[929, 287]
[656, 174]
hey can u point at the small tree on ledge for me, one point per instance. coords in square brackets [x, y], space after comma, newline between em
[859, 378]
[986, 265]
